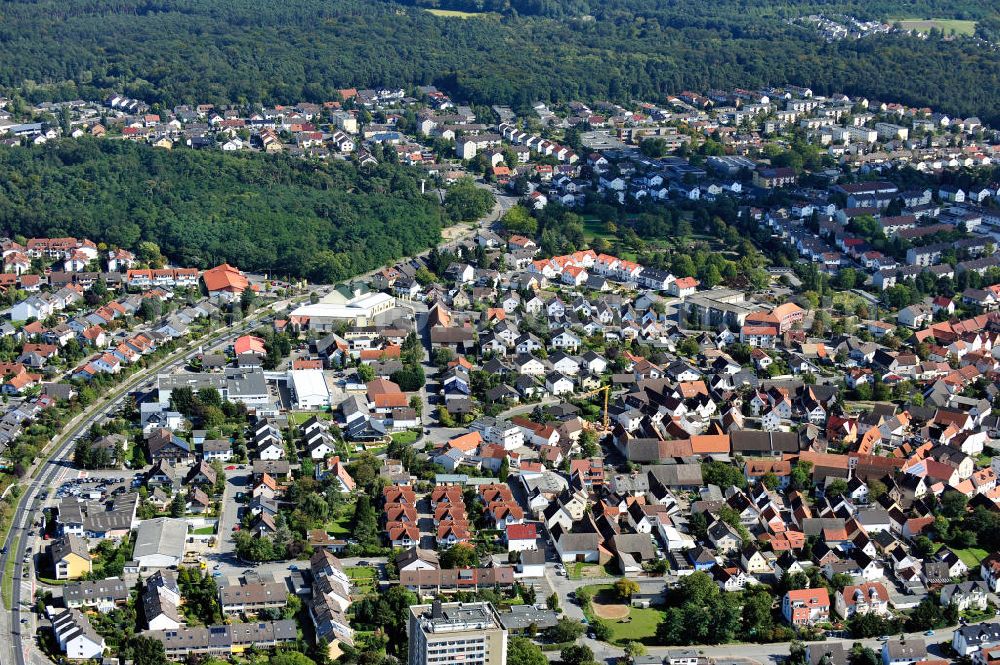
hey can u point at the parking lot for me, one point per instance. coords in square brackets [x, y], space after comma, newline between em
[101, 485]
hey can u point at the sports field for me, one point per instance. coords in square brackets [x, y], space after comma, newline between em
[947, 26]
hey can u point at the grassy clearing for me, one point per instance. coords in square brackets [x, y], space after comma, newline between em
[945, 25]
[363, 578]
[339, 526]
[595, 228]
[580, 571]
[298, 417]
[453, 13]
[204, 531]
[360, 572]
[639, 626]
[407, 437]
[849, 300]
[972, 556]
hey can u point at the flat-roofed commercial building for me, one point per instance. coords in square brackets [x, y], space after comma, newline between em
[309, 389]
[325, 316]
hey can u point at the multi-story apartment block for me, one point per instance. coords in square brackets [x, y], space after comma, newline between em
[470, 633]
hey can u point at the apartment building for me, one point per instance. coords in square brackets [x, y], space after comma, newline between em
[470, 633]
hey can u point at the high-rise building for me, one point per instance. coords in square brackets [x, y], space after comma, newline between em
[463, 633]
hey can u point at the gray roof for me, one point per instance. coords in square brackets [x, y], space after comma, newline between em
[253, 593]
[155, 604]
[813, 526]
[190, 380]
[639, 545]
[69, 624]
[674, 475]
[579, 542]
[245, 384]
[216, 445]
[162, 535]
[70, 544]
[225, 636]
[88, 592]
[523, 616]
[980, 634]
[406, 557]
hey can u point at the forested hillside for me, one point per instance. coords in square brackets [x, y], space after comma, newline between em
[266, 213]
[727, 10]
[206, 51]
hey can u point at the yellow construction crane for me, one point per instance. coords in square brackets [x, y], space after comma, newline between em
[607, 392]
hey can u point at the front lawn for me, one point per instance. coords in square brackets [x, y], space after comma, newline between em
[579, 571]
[405, 437]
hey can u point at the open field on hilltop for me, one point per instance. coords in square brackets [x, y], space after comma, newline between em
[453, 13]
[945, 25]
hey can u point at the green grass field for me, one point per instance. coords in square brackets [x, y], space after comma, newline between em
[972, 556]
[577, 571]
[204, 531]
[595, 228]
[339, 526]
[640, 626]
[947, 26]
[298, 417]
[409, 436]
[452, 13]
[360, 572]
[363, 578]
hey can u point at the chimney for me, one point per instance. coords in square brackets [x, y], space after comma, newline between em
[436, 611]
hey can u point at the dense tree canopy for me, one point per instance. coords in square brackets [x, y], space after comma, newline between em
[276, 214]
[199, 51]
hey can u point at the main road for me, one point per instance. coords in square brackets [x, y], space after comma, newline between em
[20, 537]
